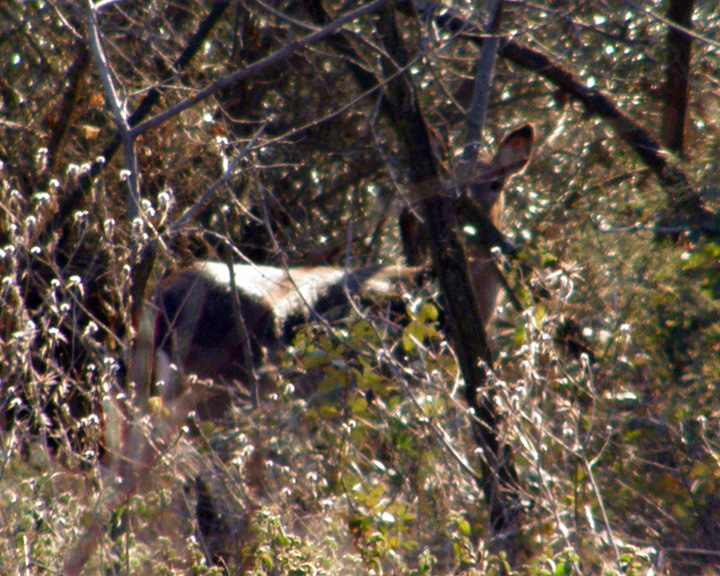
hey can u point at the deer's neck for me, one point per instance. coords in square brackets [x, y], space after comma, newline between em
[483, 271]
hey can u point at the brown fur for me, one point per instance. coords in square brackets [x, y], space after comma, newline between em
[199, 312]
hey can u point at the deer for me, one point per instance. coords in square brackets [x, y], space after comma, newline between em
[215, 319]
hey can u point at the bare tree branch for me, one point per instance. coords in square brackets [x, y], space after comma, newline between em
[483, 81]
[209, 194]
[118, 109]
[76, 75]
[255, 67]
[677, 74]
[684, 199]
[73, 199]
[499, 479]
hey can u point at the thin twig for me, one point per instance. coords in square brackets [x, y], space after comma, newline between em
[118, 110]
[210, 193]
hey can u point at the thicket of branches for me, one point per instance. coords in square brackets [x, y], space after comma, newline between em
[138, 137]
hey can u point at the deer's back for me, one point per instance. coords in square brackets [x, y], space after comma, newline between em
[205, 312]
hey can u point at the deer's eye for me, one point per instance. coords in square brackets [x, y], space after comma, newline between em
[495, 186]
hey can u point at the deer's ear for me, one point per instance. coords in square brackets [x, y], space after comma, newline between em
[514, 153]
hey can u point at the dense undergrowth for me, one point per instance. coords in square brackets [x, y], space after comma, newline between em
[357, 457]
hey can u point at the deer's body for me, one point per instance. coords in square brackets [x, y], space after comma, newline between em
[208, 320]
[200, 309]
